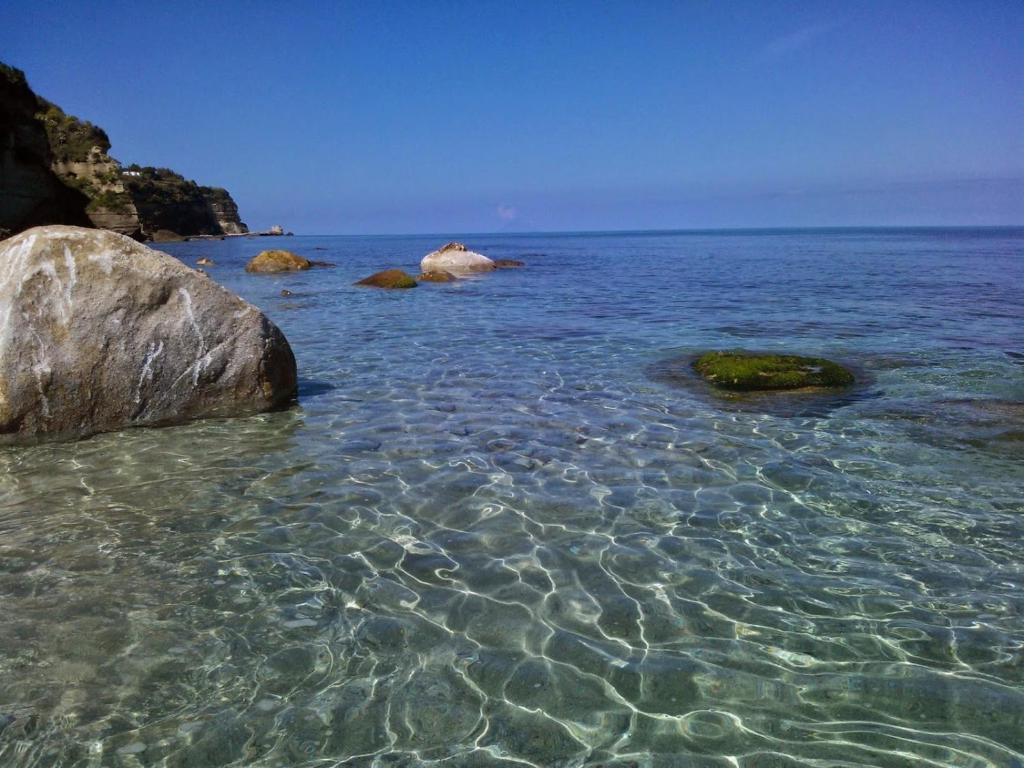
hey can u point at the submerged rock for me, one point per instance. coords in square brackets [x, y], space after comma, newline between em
[748, 372]
[99, 332]
[205, 262]
[508, 263]
[457, 259]
[437, 277]
[389, 278]
[277, 261]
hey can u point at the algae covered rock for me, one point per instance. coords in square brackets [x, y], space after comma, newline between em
[437, 277]
[457, 259]
[99, 332]
[277, 261]
[389, 278]
[749, 372]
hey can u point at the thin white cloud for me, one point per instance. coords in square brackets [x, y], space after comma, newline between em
[794, 41]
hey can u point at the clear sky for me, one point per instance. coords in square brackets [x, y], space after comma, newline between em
[365, 117]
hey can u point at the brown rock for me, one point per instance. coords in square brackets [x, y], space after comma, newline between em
[508, 263]
[389, 278]
[437, 277]
[205, 262]
[277, 261]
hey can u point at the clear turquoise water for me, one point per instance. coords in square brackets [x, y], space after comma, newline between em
[501, 530]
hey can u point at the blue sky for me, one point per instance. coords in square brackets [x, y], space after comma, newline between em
[437, 117]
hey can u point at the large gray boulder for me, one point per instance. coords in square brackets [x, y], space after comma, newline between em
[456, 259]
[99, 332]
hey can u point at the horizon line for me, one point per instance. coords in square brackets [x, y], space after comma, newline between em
[672, 231]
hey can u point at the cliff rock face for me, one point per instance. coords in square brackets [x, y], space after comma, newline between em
[31, 192]
[167, 200]
[81, 161]
[100, 333]
[55, 169]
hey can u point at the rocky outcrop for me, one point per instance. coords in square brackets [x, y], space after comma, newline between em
[99, 333]
[277, 261]
[457, 259]
[56, 169]
[508, 263]
[31, 193]
[167, 200]
[81, 161]
[389, 278]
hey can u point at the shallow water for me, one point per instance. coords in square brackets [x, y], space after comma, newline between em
[493, 533]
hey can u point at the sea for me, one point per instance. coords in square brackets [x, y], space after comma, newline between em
[506, 525]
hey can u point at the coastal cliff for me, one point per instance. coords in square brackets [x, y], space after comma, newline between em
[56, 169]
[31, 193]
[166, 200]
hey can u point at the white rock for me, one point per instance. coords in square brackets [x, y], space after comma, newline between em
[457, 259]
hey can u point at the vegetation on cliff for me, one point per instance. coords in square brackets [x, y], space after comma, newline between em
[54, 169]
[167, 200]
[71, 140]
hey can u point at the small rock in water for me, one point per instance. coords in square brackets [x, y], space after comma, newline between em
[205, 262]
[277, 261]
[508, 263]
[285, 292]
[457, 259]
[748, 372]
[437, 277]
[389, 278]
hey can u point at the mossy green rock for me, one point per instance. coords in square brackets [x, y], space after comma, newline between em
[389, 278]
[747, 372]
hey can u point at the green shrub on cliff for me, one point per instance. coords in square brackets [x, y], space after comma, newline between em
[71, 139]
[110, 202]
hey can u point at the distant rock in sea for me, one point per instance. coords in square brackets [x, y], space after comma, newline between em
[103, 333]
[277, 261]
[457, 259]
[437, 277]
[389, 278]
[508, 263]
